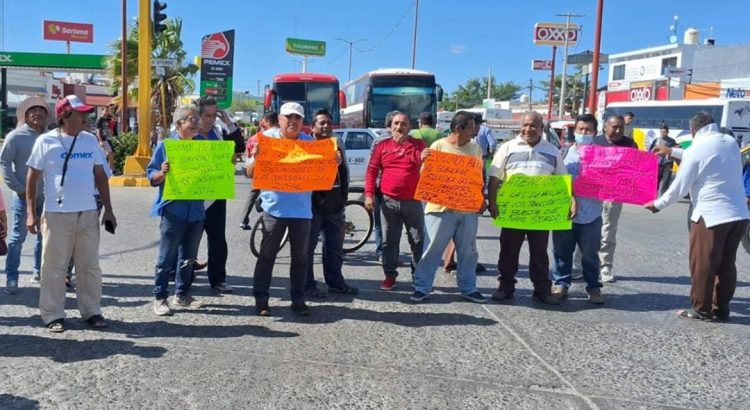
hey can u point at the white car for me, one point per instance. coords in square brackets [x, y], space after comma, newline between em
[358, 145]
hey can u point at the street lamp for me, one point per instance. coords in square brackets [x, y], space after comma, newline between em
[351, 46]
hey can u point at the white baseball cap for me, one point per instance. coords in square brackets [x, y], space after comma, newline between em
[292, 108]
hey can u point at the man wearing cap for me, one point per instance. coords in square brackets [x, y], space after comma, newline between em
[32, 119]
[283, 211]
[72, 165]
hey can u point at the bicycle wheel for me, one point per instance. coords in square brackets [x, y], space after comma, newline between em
[358, 226]
[746, 239]
[257, 236]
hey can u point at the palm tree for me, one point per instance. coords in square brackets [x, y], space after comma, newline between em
[167, 89]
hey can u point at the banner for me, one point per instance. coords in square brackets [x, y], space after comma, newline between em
[67, 31]
[288, 165]
[199, 170]
[451, 180]
[217, 62]
[535, 203]
[617, 174]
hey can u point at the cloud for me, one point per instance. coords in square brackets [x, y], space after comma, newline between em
[458, 49]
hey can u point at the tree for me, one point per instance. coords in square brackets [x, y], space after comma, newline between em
[176, 81]
[474, 91]
[574, 86]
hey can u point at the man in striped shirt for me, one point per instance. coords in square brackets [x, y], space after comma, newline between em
[531, 155]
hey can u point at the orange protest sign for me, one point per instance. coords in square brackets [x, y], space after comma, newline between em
[451, 180]
[288, 165]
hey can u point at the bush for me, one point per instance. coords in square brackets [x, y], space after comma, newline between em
[123, 146]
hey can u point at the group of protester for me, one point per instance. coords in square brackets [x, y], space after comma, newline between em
[71, 164]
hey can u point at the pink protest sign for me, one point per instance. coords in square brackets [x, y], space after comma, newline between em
[617, 174]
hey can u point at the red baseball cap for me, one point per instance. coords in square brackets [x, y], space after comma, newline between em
[71, 103]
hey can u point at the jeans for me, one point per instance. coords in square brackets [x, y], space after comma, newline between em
[397, 214]
[587, 237]
[332, 226]
[17, 237]
[215, 226]
[377, 226]
[178, 237]
[273, 232]
[440, 228]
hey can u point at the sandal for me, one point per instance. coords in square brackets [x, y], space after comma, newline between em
[691, 314]
[56, 326]
[97, 321]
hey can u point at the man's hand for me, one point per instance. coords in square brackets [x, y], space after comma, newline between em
[338, 158]
[482, 208]
[165, 167]
[651, 207]
[369, 203]
[426, 153]
[109, 216]
[32, 223]
[662, 150]
[492, 206]
[573, 208]
[397, 136]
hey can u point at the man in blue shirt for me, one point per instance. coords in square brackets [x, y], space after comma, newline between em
[181, 224]
[283, 211]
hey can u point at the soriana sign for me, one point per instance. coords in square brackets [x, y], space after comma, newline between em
[66, 31]
[554, 34]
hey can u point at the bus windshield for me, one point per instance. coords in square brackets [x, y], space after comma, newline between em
[312, 96]
[409, 100]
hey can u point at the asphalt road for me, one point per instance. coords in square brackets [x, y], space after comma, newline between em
[377, 350]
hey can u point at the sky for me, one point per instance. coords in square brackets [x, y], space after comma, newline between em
[456, 40]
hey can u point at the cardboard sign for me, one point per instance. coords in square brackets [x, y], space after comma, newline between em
[451, 180]
[535, 203]
[617, 174]
[288, 165]
[199, 170]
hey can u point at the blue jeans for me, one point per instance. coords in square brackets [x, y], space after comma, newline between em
[18, 236]
[440, 228]
[332, 226]
[178, 237]
[587, 237]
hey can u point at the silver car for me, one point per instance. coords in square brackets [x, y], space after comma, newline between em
[358, 145]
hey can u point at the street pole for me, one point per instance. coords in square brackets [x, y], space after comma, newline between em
[561, 108]
[551, 85]
[144, 79]
[351, 48]
[414, 41]
[3, 99]
[531, 89]
[585, 88]
[595, 63]
[124, 70]
[489, 84]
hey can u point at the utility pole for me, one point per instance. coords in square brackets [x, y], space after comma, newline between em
[531, 89]
[595, 63]
[568, 16]
[351, 46]
[551, 85]
[489, 84]
[124, 120]
[414, 41]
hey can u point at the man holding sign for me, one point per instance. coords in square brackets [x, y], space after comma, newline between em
[528, 154]
[446, 214]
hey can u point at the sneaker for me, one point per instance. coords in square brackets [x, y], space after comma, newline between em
[501, 294]
[161, 307]
[300, 308]
[607, 277]
[343, 290]
[480, 268]
[315, 293]
[560, 292]
[186, 301]
[12, 287]
[388, 284]
[35, 278]
[222, 288]
[475, 297]
[595, 297]
[418, 296]
[245, 227]
[262, 309]
[549, 299]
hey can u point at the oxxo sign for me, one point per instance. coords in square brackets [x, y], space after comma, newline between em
[554, 34]
[641, 93]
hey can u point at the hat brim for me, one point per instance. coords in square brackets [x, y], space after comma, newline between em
[83, 108]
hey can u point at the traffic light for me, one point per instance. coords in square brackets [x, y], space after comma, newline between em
[159, 17]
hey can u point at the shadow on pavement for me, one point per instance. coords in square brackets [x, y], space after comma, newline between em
[70, 351]
[330, 313]
[9, 401]
[672, 280]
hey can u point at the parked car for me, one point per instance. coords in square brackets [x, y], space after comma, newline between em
[358, 143]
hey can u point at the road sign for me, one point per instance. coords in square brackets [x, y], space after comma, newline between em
[544, 65]
[674, 72]
[305, 47]
[163, 62]
[587, 57]
[161, 70]
[553, 34]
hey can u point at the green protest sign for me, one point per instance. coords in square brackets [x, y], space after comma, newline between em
[199, 170]
[534, 202]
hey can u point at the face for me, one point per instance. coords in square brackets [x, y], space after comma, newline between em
[322, 126]
[76, 122]
[664, 133]
[628, 119]
[208, 119]
[614, 129]
[290, 124]
[466, 133]
[188, 127]
[36, 117]
[531, 129]
[400, 124]
[263, 124]
[585, 128]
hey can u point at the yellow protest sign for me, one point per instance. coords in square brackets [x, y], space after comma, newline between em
[451, 180]
[199, 170]
[534, 203]
[288, 165]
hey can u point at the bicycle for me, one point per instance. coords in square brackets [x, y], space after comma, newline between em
[358, 228]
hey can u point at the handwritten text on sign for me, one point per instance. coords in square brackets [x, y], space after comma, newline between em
[288, 165]
[534, 203]
[451, 180]
[617, 174]
[199, 170]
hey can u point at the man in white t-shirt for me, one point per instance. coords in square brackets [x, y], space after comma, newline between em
[71, 163]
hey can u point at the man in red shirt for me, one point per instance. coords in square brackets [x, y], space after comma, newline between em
[398, 161]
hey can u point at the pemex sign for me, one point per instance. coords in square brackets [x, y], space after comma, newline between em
[217, 66]
[305, 47]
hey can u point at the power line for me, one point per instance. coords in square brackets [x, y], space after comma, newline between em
[393, 30]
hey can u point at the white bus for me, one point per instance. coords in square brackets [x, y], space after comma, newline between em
[649, 116]
[370, 97]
